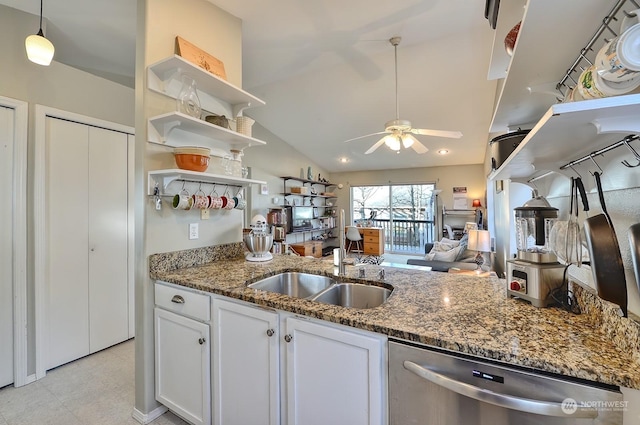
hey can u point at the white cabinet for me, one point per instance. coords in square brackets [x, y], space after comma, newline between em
[330, 374]
[333, 375]
[87, 223]
[182, 353]
[246, 388]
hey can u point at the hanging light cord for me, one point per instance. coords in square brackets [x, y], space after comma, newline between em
[395, 51]
[40, 33]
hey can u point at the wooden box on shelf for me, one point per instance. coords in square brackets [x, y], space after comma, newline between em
[308, 249]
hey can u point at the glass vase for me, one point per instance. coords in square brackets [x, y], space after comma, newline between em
[188, 101]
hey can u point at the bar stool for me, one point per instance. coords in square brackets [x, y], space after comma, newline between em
[354, 236]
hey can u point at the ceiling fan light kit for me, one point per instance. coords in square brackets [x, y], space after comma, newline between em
[39, 49]
[399, 133]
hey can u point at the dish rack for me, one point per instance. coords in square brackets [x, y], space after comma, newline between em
[586, 57]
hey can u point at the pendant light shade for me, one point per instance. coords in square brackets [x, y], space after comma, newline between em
[39, 49]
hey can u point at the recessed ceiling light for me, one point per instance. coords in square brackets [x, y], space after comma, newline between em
[443, 151]
[344, 160]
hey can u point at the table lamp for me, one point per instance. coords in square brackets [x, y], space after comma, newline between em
[476, 203]
[479, 240]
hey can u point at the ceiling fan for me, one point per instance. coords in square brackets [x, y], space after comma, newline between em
[399, 132]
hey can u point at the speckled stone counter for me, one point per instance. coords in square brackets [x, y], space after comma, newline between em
[467, 314]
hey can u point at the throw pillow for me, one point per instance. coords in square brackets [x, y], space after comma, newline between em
[447, 256]
[465, 255]
[450, 242]
[442, 246]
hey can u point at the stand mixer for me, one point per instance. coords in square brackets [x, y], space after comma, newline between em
[259, 241]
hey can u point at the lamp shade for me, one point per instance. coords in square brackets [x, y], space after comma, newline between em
[476, 203]
[479, 240]
[39, 49]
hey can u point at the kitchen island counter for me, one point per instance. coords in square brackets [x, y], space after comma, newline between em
[465, 314]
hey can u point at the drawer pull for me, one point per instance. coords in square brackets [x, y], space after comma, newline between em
[288, 338]
[270, 332]
[202, 341]
[177, 299]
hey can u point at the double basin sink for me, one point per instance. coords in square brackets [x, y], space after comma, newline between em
[323, 289]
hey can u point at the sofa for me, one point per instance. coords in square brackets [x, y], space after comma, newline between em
[446, 254]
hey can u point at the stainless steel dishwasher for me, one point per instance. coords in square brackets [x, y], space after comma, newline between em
[429, 387]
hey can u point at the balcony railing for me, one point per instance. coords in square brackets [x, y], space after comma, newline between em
[405, 236]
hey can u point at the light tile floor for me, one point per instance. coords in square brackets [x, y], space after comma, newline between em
[95, 390]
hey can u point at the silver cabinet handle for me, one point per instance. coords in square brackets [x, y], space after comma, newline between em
[502, 400]
[177, 299]
[270, 332]
[202, 341]
[288, 338]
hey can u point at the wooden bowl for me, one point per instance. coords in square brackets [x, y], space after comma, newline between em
[192, 158]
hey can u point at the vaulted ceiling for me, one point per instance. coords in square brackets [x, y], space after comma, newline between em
[326, 70]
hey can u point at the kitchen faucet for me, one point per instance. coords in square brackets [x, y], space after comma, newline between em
[341, 254]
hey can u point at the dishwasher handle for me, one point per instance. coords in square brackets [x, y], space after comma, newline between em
[538, 407]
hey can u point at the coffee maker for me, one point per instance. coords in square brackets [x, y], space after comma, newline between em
[535, 272]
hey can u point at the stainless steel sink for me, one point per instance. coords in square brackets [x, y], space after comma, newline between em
[353, 295]
[294, 284]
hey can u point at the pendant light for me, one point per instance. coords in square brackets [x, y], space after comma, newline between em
[39, 49]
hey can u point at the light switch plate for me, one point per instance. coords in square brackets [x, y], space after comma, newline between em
[193, 230]
[204, 214]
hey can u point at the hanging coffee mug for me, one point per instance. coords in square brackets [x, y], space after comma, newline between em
[241, 203]
[200, 200]
[182, 200]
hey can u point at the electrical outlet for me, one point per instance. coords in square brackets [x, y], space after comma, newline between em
[204, 214]
[193, 230]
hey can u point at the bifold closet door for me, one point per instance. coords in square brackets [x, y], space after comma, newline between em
[6, 245]
[108, 290]
[87, 306]
[68, 241]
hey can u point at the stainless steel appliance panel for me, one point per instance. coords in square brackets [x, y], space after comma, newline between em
[426, 387]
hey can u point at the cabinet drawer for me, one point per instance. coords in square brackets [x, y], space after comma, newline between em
[371, 232]
[372, 249]
[183, 301]
[371, 239]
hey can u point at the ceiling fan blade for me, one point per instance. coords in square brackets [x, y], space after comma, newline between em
[375, 146]
[366, 135]
[419, 147]
[437, 133]
[409, 141]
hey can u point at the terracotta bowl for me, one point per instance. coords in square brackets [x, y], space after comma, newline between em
[192, 158]
[510, 39]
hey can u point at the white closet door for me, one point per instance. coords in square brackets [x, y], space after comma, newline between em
[6, 245]
[108, 239]
[68, 223]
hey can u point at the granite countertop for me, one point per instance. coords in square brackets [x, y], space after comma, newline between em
[467, 314]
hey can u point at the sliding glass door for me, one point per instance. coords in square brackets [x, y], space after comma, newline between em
[405, 211]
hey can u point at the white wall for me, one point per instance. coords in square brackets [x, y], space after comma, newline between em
[269, 163]
[58, 86]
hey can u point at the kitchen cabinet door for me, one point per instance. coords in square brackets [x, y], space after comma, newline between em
[334, 376]
[182, 369]
[245, 365]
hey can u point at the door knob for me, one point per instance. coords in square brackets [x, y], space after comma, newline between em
[202, 341]
[288, 338]
[270, 332]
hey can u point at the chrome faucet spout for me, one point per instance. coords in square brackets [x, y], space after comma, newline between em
[342, 253]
